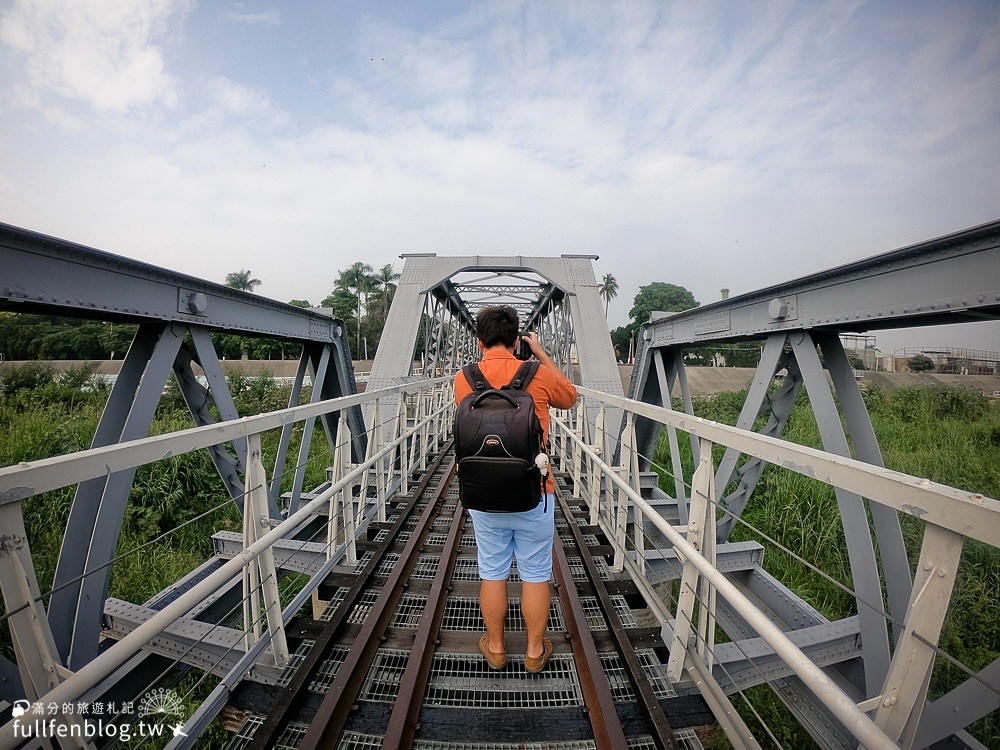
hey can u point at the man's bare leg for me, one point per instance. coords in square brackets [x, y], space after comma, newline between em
[493, 603]
[535, 598]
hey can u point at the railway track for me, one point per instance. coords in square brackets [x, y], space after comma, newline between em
[393, 661]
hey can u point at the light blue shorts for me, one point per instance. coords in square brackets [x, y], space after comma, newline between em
[526, 537]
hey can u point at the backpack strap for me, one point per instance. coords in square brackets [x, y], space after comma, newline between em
[475, 377]
[523, 375]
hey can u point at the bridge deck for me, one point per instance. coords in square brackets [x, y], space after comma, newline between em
[406, 624]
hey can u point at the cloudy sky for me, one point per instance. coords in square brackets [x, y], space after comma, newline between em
[708, 144]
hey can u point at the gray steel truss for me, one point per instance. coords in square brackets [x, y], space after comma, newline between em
[175, 314]
[952, 279]
[947, 280]
[565, 310]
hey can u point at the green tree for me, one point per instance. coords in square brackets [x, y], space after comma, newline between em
[299, 303]
[608, 291]
[385, 285]
[342, 302]
[242, 280]
[660, 296]
[117, 338]
[358, 279]
[920, 363]
[621, 339]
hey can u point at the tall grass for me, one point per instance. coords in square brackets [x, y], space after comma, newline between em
[42, 415]
[949, 435]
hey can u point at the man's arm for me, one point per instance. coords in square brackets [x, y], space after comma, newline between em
[564, 394]
[538, 351]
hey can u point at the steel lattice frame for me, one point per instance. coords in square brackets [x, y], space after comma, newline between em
[948, 280]
[175, 314]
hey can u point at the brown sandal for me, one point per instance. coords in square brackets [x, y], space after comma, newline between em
[535, 664]
[494, 659]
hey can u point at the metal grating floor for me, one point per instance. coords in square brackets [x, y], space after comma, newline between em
[559, 745]
[359, 741]
[328, 670]
[579, 571]
[364, 606]
[654, 673]
[382, 683]
[331, 607]
[621, 686]
[292, 736]
[384, 569]
[244, 735]
[467, 569]
[295, 662]
[462, 614]
[595, 617]
[687, 739]
[409, 611]
[458, 681]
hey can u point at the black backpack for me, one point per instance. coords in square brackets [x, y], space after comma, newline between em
[497, 437]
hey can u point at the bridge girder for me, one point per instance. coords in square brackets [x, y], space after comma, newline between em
[566, 311]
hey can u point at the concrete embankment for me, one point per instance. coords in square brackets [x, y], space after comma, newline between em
[702, 380]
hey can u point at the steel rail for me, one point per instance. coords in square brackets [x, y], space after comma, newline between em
[662, 731]
[267, 735]
[403, 722]
[328, 724]
[597, 697]
[859, 724]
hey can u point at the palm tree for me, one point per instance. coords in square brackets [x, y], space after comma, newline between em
[608, 290]
[385, 279]
[242, 280]
[357, 279]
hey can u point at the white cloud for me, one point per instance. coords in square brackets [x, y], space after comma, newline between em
[240, 14]
[99, 52]
[701, 144]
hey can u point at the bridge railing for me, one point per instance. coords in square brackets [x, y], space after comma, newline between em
[405, 424]
[612, 492]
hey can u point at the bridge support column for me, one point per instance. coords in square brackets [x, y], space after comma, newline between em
[34, 648]
[701, 536]
[260, 578]
[905, 691]
[341, 501]
[628, 470]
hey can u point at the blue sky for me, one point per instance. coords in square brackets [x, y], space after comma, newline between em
[707, 144]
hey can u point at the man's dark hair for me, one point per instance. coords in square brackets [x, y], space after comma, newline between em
[497, 325]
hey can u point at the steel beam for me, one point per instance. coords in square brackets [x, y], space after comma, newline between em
[211, 648]
[289, 554]
[572, 276]
[44, 274]
[663, 564]
[748, 662]
[82, 573]
[952, 279]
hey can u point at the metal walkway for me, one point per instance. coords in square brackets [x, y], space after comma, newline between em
[392, 660]
[345, 615]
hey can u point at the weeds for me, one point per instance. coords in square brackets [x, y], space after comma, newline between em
[949, 435]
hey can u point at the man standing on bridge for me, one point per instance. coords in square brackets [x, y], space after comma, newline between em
[527, 535]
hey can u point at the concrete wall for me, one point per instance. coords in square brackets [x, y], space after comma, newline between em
[703, 380]
[708, 380]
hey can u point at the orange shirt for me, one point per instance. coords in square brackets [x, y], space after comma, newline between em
[548, 388]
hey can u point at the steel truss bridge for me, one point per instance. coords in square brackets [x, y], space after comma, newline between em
[344, 615]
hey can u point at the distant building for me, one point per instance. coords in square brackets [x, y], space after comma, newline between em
[952, 361]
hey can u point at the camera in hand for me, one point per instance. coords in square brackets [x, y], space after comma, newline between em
[521, 348]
